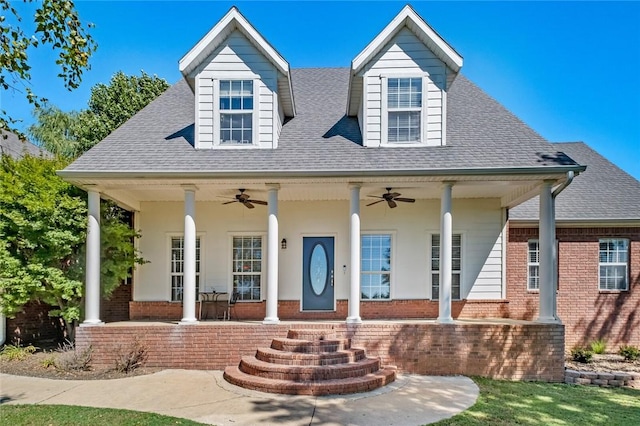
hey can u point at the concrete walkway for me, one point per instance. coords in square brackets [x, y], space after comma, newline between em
[204, 396]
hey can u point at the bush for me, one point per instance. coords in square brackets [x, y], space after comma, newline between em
[580, 354]
[630, 353]
[598, 346]
[71, 359]
[130, 357]
[17, 352]
[49, 361]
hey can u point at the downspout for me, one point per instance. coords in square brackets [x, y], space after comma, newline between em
[3, 329]
[554, 194]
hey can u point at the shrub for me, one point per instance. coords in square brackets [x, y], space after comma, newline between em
[579, 354]
[69, 358]
[130, 357]
[17, 352]
[49, 361]
[598, 346]
[630, 353]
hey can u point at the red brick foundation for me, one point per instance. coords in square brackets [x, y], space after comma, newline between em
[497, 349]
[587, 312]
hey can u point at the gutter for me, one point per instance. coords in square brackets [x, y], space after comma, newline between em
[564, 185]
[182, 174]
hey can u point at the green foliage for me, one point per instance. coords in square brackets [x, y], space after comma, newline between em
[71, 134]
[579, 354]
[598, 346]
[42, 240]
[49, 361]
[58, 26]
[17, 352]
[630, 353]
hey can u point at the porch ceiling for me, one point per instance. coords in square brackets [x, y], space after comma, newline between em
[130, 192]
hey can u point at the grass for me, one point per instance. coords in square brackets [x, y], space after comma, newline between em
[57, 415]
[526, 403]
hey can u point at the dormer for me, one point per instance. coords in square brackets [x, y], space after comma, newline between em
[399, 82]
[242, 87]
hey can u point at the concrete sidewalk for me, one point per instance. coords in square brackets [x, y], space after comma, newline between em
[204, 396]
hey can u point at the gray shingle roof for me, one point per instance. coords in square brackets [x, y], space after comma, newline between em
[481, 134]
[602, 192]
[16, 148]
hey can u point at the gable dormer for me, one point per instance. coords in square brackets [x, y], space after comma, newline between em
[242, 87]
[399, 82]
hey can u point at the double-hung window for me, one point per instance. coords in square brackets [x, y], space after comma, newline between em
[456, 266]
[236, 112]
[177, 268]
[614, 264]
[375, 267]
[533, 264]
[404, 109]
[247, 267]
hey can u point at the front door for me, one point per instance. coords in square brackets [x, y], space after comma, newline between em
[317, 274]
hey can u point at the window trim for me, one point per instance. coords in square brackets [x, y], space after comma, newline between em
[384, 110]
[626, 265]
[263, 267]
[217, 112]
[461, 272]
[200, 286]
[392, 234]
[530, 264]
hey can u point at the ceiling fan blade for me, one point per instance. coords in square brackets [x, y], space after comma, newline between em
[394, 194]
[392, 204]
[248, 205]
[229, 202]
[405, 200]
[375, 202]
[262, 203]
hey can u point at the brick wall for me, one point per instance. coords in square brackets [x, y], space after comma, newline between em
[586, 312]
[495, 349]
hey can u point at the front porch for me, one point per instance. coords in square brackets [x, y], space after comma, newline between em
[495, 348]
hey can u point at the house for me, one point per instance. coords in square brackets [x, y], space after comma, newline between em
[377, 191]
[598, 238]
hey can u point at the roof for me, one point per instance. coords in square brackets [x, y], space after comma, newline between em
[16, 148]
[603, 192]
[218, 34]
[481, 135]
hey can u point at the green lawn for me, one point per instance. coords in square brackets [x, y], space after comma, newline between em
[526, 403]
[58, 415]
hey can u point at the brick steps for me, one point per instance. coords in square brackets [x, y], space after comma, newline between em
[310, 362]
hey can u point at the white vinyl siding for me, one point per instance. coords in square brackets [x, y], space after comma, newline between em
[533, 265]
[456, 266]
[237, 59]
[177, 268]
[375, 280]
[614, 264]
[404, 56]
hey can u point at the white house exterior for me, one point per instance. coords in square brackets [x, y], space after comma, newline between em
[316, 145]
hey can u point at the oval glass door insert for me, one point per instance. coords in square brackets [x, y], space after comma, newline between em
[318, 269]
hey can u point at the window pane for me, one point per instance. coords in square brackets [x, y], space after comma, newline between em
[247, 267]
[225, 86]
[456, 266]
[177, 267]
[375, 266]
[614, 274]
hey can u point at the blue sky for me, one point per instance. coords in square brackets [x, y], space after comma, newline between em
[571, 70]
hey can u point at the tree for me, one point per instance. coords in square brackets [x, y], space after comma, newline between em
[42, 240]
[57, 25]
[71, 134]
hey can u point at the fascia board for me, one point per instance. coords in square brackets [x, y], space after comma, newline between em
[445, 52]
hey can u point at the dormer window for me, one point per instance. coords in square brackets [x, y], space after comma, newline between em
[404, 108]
[236, 112]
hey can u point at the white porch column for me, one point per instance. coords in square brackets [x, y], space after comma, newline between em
[92, 288]
[273, 248]
[354, 241]
[189, 279]
[446, 244]
[547, 241]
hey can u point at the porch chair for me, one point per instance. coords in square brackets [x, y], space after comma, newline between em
[231, 306]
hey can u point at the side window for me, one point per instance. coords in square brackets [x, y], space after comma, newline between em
[177, 268]
[614, 264]
[456, 266]
[533, 265]
[375, 280]
[247, 267]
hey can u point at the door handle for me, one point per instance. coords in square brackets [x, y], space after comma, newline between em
[332, 278]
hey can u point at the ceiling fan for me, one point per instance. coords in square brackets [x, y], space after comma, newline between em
[391, 198]
[243, 199]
